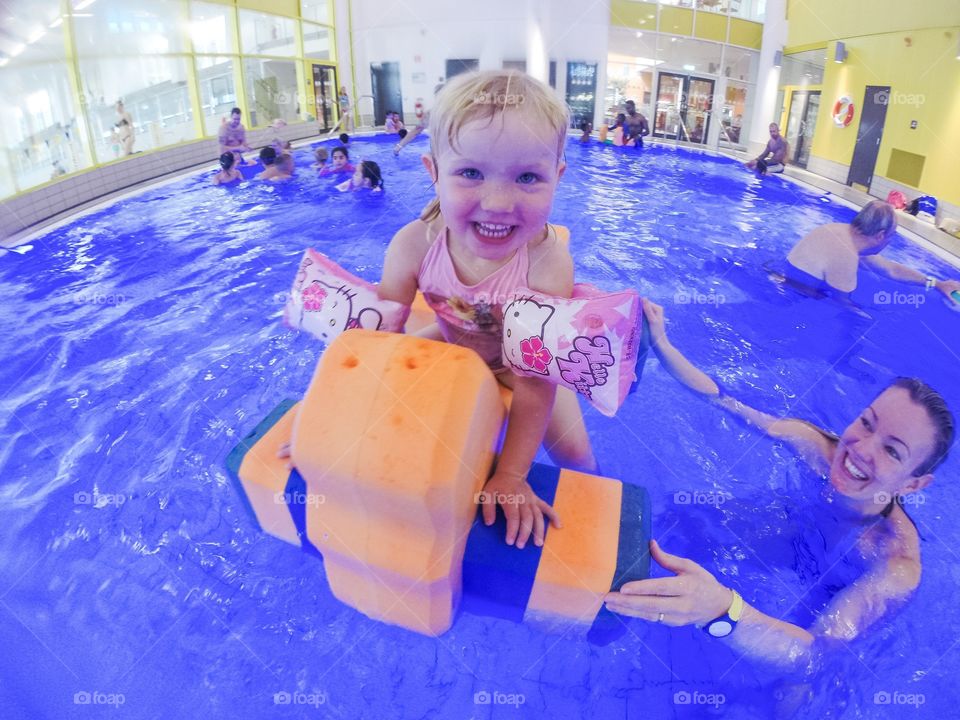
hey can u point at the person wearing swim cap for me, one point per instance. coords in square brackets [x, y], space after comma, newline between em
[888, 452]
[829, 257]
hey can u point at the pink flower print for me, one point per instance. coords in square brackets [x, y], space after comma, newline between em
[313, 298]
[535, 355]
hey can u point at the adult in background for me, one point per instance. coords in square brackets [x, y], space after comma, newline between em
[124, 129]
[233, 136]
[829, 257]
[636, 125]
[773, 155]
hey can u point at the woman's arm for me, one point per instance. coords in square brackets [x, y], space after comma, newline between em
[694, 597]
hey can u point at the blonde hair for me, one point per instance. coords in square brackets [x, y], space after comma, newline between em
[486, 95]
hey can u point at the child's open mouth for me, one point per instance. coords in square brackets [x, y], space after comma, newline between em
[492, 231]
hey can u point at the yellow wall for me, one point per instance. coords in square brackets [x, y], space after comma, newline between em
[923, 72]
[812, 21]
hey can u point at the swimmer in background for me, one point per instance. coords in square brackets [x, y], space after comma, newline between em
[228, 171]
[284, 161]
[485, 237]
[619, 130]
[393, 123]
[272, 171]
[124, 129]
[586, 127]
[339, 162]
[366, 175]
[320, 156]
[405, 139]
[636, 126]
[774, 155]
[829, 257]
[344, 139]
[888, 452]
[233, 136]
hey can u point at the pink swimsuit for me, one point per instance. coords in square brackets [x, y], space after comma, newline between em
[471, 315]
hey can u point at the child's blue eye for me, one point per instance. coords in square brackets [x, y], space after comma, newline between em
[528, 178]
[471, 174]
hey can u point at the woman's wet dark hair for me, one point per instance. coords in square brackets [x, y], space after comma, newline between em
[227, 160]
[340, 149]
[940, 415]
[371, 171]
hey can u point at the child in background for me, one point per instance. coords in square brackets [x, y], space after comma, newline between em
[367, 175]
[272, 171]
[320, 155]
[340, 162]
[586, 127]
[344, 139]
[228, 171]
[618, 130]
[496, 156]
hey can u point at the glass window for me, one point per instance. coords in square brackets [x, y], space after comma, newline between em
[627, 80]
[262, 34]
[218, 94]
[740, 64]
[688, 55]
[212, 28]
[318, 10]
[129, 27]
[717, 6]
[805, 68]
[749, 9]
[271, 91]
[316, 42]
[155, 108]
[735, 114]
[43, 133]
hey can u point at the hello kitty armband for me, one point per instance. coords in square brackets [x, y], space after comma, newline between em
[326, 300]
[588, 343]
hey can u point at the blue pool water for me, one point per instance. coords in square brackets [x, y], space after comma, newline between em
[140, 342]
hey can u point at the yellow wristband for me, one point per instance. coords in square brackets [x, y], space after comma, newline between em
[736, 607]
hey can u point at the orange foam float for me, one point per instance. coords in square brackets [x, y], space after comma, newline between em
[391, 446]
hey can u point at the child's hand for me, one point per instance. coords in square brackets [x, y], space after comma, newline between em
[523, 510]
[658, 327]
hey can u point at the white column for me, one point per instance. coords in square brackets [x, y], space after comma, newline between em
[537, 22]
[768, 76]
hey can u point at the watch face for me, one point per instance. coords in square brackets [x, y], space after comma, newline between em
[720, 628]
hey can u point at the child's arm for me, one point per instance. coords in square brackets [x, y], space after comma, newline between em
[402, 263]
[551, 273]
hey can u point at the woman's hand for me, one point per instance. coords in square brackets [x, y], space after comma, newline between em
[947, 287]
[692, 597]
[525, 512]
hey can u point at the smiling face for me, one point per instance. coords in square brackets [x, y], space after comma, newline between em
[879, 452]
[496, 186]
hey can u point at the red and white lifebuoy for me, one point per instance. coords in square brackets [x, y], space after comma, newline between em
[418, 109]
[843, 111]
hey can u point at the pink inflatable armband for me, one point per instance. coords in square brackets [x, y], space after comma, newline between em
[326, 300]
[588, 343]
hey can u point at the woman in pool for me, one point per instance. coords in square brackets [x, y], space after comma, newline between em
[339, 162]
[228, 170]
[496, 156]
[888, 452]
[367, 175]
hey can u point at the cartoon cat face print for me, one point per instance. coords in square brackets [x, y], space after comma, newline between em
[327, 309]
[524, 324]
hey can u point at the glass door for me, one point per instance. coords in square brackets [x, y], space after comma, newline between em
[684, 105]
[325, 95]
[807, 127]
[666, 121]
